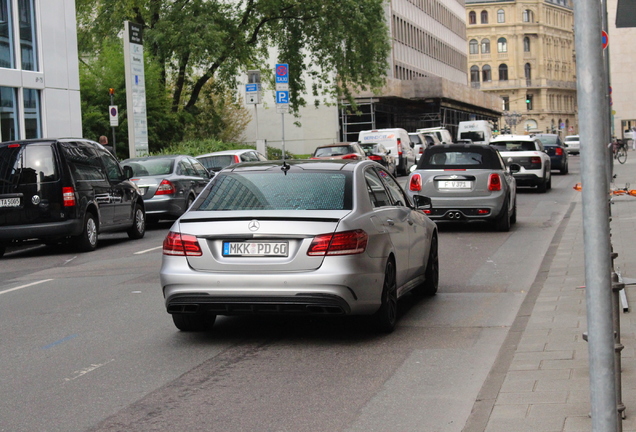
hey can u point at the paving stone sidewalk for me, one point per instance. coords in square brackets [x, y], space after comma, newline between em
[546, 388]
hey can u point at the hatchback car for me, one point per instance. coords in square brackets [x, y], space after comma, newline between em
[169, 184]
[556, 150]
[466, 183]
[345, 150]
[572, 144]
[382, 155]
[54, 190]
[216, 161]
[334, 237]
[528, 152]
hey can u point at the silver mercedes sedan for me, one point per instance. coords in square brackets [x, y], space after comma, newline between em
[334, 237]
[467, 182]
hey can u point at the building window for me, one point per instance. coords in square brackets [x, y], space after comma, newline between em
[485, 46]
[9, 129]
[32, 114]
[484, 17]
[501, 16]
[474, 74]
[528, 72]
[506, 103]
[503, 72]
[502, 45]
[6, 35]
[526, 44]
[28, 46]
[486, 74]
[472, 17]
[473, 47]
[526, 16]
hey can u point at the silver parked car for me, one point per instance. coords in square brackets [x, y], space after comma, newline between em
[466, 183]
[169, 184]
[330, 237]
[216, 161]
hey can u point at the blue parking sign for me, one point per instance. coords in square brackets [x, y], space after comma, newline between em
[282, 97]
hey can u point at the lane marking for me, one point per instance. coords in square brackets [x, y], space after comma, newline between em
[24, 286]
[86, 370]
[56, 343]
[69, 260]
[148, 250]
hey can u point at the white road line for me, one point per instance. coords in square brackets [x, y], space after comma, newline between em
[24, 286]
[84, 371]
[148, 250]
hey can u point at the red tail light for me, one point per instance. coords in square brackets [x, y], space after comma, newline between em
[535, 160]
[427, 211]
[399, 145]
[68, 196]
[415, 183]
[165, 188]
[350, 156]
[375, 158]
[181, 245]
[558, 151]
[341, 243]
[237, 159]
[494, 182]
[13, 145]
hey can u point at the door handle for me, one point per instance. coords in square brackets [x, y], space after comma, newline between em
[390, 222]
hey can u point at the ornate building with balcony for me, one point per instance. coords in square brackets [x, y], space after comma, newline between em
[523, 51]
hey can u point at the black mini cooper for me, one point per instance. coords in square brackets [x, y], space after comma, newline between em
[53, 190]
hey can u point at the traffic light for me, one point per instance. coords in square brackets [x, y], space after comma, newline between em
[529, 102]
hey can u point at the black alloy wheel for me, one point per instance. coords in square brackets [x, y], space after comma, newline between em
[431, 283]
[386, 317]
[502, 223]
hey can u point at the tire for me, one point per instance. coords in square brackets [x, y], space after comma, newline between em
[138, 228]
[193, 322]
[87, 240]
[513, 217]
[430, 284]
[386, 317]
[502, 223]
[3, 249]
[543, 186]
[564, 169]
[621, 156]
[549, 184]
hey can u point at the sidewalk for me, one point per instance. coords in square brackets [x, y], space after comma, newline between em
[546, 387]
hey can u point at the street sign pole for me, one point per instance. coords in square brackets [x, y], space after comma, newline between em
[281, 72]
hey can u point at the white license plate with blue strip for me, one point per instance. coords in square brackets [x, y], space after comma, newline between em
[256, 249]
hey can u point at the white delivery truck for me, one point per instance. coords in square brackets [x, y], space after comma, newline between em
[442, 134]
[478, 131]
[397, 140]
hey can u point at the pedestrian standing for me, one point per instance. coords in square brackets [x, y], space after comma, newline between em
[103, 140]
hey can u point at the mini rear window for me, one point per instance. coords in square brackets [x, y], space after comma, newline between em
[277, 191]
[438, 157]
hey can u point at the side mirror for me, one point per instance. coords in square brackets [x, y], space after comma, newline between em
[422, 202]
[514, 168]
[128, 172]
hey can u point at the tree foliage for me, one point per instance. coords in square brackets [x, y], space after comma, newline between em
[340, 45]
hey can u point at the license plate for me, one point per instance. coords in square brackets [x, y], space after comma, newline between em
[9, 202]
[256, 249]
[454, 184]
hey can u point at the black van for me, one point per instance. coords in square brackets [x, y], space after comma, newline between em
[53, 190]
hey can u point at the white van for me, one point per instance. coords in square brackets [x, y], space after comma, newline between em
[478, 131]
[443, 135]
[397, 140]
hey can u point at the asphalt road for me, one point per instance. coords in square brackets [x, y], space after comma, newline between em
[87, 345]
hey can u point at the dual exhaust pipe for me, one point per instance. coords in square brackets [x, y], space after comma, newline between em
[455, 215]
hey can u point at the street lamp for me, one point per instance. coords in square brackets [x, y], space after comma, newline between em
[512, 118]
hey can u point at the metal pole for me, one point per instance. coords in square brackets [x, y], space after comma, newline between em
[282, 117]
[596, 238]
[609, 155]
[112, 102]
[256, 118]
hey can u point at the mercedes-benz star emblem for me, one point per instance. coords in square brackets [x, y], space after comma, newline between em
[35, 199]
[254, 225]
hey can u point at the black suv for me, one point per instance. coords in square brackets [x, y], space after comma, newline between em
[58, 189]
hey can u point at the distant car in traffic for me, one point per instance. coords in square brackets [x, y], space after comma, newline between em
[528, 152]
[54, 190]
[572, 144]
[466, 183]
[169, 184]
[382, 155]
[419, 144]
[338, 237]
[216, 161]
[556, 150]
[343, 150]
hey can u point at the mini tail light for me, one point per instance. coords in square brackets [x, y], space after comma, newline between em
[483, 211]
[165, 188]
[375, 158]
[415, 183]
[427, 211]
[494, 182]
[558, 151]
[68, 196]
[340, 243]
[399, 146]
[350, 156]
[181, 245]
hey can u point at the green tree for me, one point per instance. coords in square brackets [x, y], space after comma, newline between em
[342, 45]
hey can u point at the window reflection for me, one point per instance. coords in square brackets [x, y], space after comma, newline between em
[8, 114]
[32, 117]
[27, 35]
[6, 35]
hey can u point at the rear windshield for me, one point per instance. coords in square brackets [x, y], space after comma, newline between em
[333, 151]
[444, 158]
[514, 145]
[369, 149]
[572, 138]
[216, 163]
[277, 191]
[151, 167]
[472, 135]
[26, 164]
[549, 139]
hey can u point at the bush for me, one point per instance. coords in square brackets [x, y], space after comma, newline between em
[198, 147]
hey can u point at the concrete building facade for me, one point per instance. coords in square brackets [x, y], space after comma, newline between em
[523, 51]
[39, 74]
